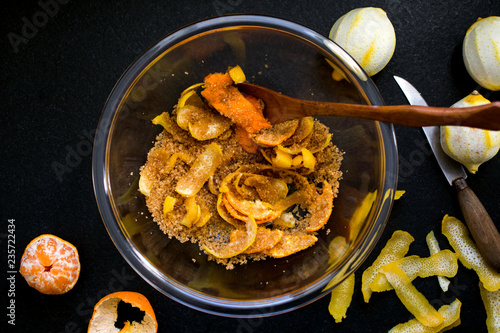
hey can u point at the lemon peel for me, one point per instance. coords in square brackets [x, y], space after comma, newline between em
[412, 299]
[481, 52]
[396, 247]
[470, 146]
[368, 36]
[340, 298]
[469, 254]
[491, 300]
[451, 316]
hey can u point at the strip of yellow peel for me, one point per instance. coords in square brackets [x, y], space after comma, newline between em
[450, 313]
[491, 300]
[443, 263]
[341, 297]
[412, 299]
[395, 248]
[469, 254]
[433, 245]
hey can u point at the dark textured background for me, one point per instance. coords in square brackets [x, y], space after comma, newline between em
[53, 88]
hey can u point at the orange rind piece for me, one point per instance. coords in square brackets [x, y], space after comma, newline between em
[105, 314]
[412, 299]
[277, 134]
[239, 242]
[321, 208]
[469, 254]
[223, 96]
[290, 244]
[451, 318]
[50, 264]
[265, 239]
[341, 297]
[396, 247]
[304, 130]
[255, 208]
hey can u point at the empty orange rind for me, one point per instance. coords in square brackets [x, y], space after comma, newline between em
[106, 314]
[50, 264]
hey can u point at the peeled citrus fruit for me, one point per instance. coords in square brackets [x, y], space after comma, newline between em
[470, 146]
[106, 313]
[368, 36]
[481, 52]
[50, 265]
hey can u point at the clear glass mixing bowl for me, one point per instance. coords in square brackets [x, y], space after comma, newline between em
[280, 55]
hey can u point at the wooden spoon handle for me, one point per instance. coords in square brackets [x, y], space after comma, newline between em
[480, 224]
[485, 116]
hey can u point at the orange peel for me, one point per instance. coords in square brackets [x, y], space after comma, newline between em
[239, 242]
[277, 134]
[321, 208]
[50, 264]
[106, 313]
[290, 244]
[265, 239]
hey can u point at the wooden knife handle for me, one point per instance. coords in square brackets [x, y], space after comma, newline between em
[480, 224]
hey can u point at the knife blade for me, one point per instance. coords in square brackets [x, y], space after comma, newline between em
[482, 228]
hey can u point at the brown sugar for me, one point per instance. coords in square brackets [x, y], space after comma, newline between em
[248, 178]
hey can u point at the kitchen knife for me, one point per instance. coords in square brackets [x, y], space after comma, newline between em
[478, 221]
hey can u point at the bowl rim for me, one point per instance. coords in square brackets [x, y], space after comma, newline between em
[174, 290]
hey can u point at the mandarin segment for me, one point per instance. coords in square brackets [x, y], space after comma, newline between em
[50, 264]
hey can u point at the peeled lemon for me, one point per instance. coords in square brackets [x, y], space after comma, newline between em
[481, 52]
[470, 146]
[368, 36]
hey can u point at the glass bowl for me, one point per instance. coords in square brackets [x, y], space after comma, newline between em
[280, 55]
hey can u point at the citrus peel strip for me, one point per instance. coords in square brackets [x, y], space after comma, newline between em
[239, 242]
[451, 317]
[341, 297]
[469, 255]
[396, 247]
[443, 263]
[411, 298]
[491, 300]
[434, 248]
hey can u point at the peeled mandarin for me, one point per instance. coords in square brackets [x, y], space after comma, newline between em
[481, 52]
[368, 36]
[470, 146]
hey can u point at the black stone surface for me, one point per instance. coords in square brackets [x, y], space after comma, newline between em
[60, 60]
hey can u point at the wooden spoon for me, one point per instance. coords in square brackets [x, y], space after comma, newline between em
[279, 108]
